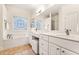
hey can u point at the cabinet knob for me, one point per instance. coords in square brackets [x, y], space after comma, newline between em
[57, 48]
[63, 51]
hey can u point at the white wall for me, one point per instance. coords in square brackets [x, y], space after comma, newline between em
[1, 39]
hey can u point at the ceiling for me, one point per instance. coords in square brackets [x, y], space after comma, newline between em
[33, 8]
[30, 7]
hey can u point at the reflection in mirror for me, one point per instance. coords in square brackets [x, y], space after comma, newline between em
[54, 22]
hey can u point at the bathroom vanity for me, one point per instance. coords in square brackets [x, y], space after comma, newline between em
[52, 44]
[60, 34]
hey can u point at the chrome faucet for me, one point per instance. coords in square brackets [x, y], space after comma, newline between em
[9, 36]
[67, 31]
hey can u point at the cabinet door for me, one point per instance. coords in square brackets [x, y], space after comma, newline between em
[43, 52]
[43, 47]
[40, 50]
[54, 50]
[67, 52]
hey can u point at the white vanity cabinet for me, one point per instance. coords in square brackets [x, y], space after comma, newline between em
[43, 45]
[49, 45]
[58, 46]
[56, 50]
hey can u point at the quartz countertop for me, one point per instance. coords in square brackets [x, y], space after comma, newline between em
[59, 35]
[62, 35]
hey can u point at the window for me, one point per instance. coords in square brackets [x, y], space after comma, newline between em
[20, 23]
[37, 24]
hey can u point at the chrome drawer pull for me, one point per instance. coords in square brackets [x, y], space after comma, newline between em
[57, 48]
[63, 51]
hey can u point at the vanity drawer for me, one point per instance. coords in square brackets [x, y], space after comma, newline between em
[67, 52]
[65, 43]
[43, 44]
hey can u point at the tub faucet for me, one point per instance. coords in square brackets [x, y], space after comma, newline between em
[9, 36]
